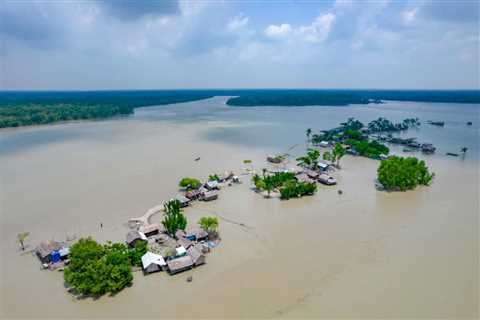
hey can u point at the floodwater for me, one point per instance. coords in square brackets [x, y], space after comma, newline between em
[364, 253]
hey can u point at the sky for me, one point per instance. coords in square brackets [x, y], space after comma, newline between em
[169, 44]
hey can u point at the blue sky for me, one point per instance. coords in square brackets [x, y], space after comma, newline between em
[120, 44]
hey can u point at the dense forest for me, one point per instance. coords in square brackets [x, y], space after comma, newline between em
[347, 97]
[20, 108]
[34, 108]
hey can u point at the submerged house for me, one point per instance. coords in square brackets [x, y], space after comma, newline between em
[210, 195]
[197, 234]
[212, 185]
[150, 229]
[185, 243]
[184, 201]
[326, 179]
[196, 255]
[180, 264]
[323, 166]
[310, 173]
[135, 236]
[45, 249]
[152, 262]
[302, 177]
[193, 194]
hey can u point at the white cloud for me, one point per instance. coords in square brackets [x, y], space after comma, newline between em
[237, 23]
[280, 31]
[319, 29]
[408, 16]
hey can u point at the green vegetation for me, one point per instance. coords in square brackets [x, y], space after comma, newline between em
[173, 219]
[209, 224]
[294, 189]
[398, 173]
[214, 177]
[136, 253]
[95, 269]
[190, 183]
[352, 124]
[36, 108]
[370, 149]
[310, 159]
[385, 125]
[338, 152]
[286, 183]
[21, 238]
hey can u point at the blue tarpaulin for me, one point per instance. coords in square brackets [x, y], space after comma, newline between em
[55, 256]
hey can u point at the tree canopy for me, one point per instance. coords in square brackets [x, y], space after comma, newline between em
[209, 224]
[173, 219]
[95, 269]
[191, 183]
[399, 173]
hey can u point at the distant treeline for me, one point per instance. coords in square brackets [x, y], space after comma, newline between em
[34, 108]
[347, 97]
[20, 108]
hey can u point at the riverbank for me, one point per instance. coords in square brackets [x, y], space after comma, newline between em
[363, 253]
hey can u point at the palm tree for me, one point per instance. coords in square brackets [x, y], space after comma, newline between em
[308, 132]
[21, 238]
[464, 150]
[338, 152]
[268, 186]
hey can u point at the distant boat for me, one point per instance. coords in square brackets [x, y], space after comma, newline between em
[452, 154]
[436, 123]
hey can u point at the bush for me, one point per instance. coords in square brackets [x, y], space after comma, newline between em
[190, 183]
[398, 173]
[95, 269]
[136, 253]
[214, 177]
[371, 149]
[209, 224]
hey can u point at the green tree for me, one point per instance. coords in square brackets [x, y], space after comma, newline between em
[308, 133]
[327, 156]
[21, 238]
[209, 224]
[398, 173]
[338, 152]
[173, 219]
[95, 269]
[213, 177]
[190, 183]
[310, 159]
[136, 253]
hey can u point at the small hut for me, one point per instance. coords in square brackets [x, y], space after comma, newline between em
[150, 229]
[310, 173]
[212, 185]
[302, 177]
[197, 234]
[179, 234]
[323, 166]
[152, 262]
[184, 201]
[180, 264]
[197, 256]
[45, 248]
[326, 179]
[210, 195]
[184, 242]
[193, 194]
[135, 236]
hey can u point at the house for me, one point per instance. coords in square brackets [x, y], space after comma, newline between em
[184, 242]
[302, 177]
[310, 173]
[184, 201]
[152, 262]
[180, 251]
[326, 179]
[196, 255]
[150, 229]
[212, 185]
[179, 234]
[45, 248]
[179, 264]
[323, 166]
[135, 236]
[324, 144]
[197, 234]
[210, 195]
[193, 194]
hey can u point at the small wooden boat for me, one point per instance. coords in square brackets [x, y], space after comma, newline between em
[452, 154]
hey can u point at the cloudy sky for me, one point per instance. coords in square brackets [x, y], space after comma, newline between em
[117, 44]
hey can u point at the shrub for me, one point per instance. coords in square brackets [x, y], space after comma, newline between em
[214, 177]
[209, 224]
[398, 173]
[190, 183]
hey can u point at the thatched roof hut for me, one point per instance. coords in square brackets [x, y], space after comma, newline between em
[197, 256]
[193, 194]
[326, 179]
[180, 264]
[134, 236]
[312, 174]
[150, 229]
[45, 248]
[210, 195]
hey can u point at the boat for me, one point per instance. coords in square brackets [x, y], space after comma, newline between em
[436, 123]
[428, 148]
[452, 154]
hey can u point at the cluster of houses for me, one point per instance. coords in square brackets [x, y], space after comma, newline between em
[410, 143]
[209, 190]
[182, 252]
[322, 176]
